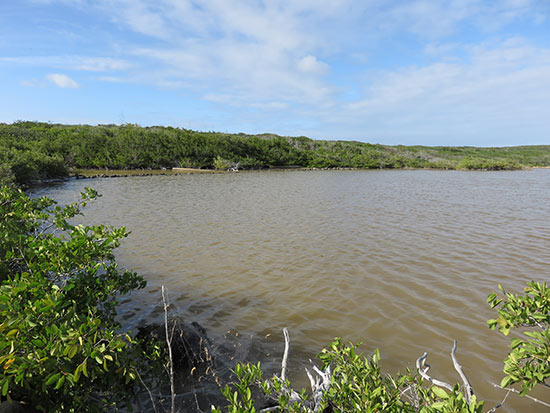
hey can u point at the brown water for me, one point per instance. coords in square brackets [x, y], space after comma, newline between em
[400, 260]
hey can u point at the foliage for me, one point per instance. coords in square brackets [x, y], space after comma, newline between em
[61, 349]
[35, 151]
[222, 164]
[6, 175]
[528, 362]
[486, 164]
[357, 385]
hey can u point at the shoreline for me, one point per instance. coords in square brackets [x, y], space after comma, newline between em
[115, 173]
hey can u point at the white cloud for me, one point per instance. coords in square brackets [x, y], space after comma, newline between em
[310, 65]
[495, 91]
[62, 81]
[28, 83]
[72, 62]
[100, 64]
[373, 64]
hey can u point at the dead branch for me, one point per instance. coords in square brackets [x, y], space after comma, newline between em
[169, 343]
[318, 384]
[148, 391]
[501, 403]
[468, 390]
[423, 368]
[525, 395]
[285, 354]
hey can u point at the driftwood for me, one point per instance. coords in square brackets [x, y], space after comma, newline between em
[423, 368]
[319, 381]
[468, 390]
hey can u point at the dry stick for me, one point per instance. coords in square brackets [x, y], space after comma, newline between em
[501, 403]
[285, 355]
[283, 369]
[270, 409]
[293, 396]
[423, 368]
[148, 391]
[169, 342]
[525, 395]
[468, 390]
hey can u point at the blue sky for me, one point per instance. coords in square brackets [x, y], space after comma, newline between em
[467, 72]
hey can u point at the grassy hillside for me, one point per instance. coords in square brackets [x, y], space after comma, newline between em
[32, 150]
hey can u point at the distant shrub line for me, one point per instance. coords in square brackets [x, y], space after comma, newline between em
[32, 151]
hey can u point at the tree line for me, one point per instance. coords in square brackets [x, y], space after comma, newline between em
[33, 150]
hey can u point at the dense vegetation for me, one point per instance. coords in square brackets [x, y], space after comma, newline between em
[33, 151]
[60, 346]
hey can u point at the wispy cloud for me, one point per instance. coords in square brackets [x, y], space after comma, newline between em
[494, 90]
[62, 81]
[71, 62]
[330, 68]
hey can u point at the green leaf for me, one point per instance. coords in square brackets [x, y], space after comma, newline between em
[506, 381]
[53, 378]
[77, 373]
[60, 382]
[72, 351]
[84, 369]
[439, 392]
[12, 333]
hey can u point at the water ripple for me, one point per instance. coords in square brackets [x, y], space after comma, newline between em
[401, 260]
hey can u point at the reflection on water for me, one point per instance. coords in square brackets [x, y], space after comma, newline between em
[400, 260]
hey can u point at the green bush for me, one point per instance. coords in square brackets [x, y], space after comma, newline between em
[487, 164]
[222, 164]
[528, 362]
[61, 349]
[53, 147]
[6, 175]
[356, 385]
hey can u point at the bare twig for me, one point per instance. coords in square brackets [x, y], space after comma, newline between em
[423, 368]
[501, 403]
[169, 343]
[148, 391]
[270, 409]
[468, 390]
[539, 325]
[525, 395]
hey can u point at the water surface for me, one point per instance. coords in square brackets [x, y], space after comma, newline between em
[400, 260]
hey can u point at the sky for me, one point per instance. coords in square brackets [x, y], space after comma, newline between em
[416, 72]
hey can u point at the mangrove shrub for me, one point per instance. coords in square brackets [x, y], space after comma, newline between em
[60, 346]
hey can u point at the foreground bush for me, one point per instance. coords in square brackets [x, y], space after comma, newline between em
[528, 363]
[351, 382]
[60, 347]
